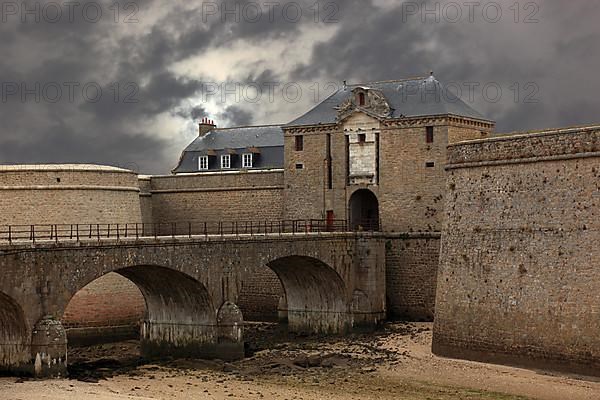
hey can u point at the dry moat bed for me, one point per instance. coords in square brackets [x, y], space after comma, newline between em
[395, 363]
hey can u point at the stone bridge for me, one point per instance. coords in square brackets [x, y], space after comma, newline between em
[333, 282]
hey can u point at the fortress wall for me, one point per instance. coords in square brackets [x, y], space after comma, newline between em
[145, 185]
[519, 278]
[80, 194]
[67, 194]
[411, 275]
[210, 197]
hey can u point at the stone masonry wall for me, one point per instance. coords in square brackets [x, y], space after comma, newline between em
[68, 194]
[260, 294]
[411, 275]
[305, 188]
[518, 278]
[251, 196]
[411, 193]
[412, 176]
[145, 184]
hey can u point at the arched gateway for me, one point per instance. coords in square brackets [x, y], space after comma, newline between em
[363, 210]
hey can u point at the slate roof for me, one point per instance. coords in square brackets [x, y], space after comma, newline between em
[238, 138]
[413, 97]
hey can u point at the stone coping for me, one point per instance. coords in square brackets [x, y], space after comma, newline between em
[216, 189]
[63, 168]
[71, 187]
[503, 137]
[182, 240]
[529, 147]
[220, 173]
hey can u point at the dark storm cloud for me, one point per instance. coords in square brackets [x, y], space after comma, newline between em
[236, 116]
[197, 113]
[544, 68]
[129, 62]
[146, 104]
[61, 143]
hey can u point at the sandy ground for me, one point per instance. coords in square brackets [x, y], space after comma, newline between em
[395, 363]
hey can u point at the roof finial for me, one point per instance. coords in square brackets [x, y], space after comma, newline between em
[345, 85]
[431, 73]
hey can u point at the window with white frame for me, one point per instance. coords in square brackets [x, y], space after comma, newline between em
[226, 161]
[203, 163]
[247, 160]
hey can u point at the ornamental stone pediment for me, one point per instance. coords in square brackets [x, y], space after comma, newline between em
[369, 101]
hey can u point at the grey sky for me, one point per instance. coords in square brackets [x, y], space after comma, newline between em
[176, 61]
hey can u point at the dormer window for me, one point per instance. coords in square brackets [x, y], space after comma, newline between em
[247, 160]
[226, 161]
[203, 163]
[362, 100]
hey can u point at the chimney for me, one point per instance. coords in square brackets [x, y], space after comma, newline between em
[206, 126]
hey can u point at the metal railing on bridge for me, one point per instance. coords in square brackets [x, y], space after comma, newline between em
[88, 232]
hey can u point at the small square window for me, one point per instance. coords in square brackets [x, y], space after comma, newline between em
[429, 134]
[430, 164]
[299, 143]
[299, 166]
[226, 161]
[362, 137]
[247, 160]
[203, 163]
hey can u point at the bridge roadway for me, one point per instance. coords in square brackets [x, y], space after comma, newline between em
[333, 282]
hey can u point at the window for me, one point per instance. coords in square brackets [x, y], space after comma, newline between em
[299, 166]
[299, 143]
[430, 164]
[247, 160]
[329, 166]
[203, 163]
[429, 134]
[225, 161]
[362, 137]
[361, 99]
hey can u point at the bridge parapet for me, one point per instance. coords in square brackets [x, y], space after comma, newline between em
[87, 232]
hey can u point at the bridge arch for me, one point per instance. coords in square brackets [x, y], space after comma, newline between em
[180, 318]
[14, 336]
[317, 299]
[108, 309]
